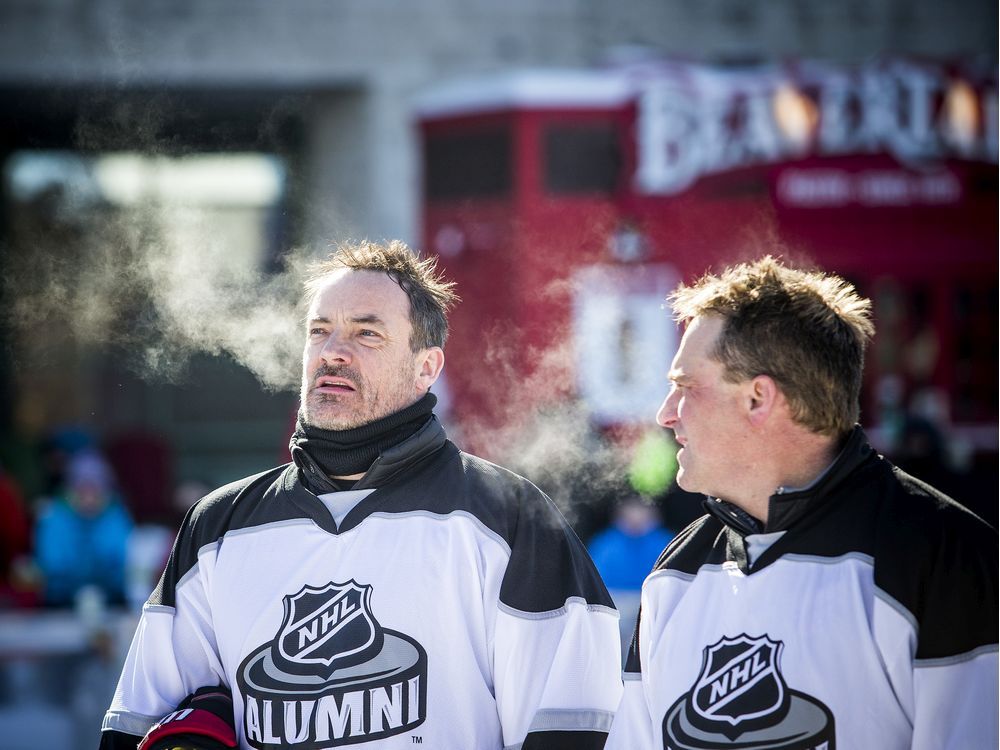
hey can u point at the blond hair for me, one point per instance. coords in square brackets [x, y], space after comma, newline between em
[805, 329]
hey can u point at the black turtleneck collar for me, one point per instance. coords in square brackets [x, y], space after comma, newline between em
[785, 508]
[338, 453]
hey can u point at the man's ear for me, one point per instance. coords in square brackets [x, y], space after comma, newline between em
[430, 363]
[762, 397]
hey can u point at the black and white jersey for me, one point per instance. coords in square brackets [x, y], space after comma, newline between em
[863, 616]
[452, 608]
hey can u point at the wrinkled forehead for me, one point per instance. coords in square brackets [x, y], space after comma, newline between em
[349, 292]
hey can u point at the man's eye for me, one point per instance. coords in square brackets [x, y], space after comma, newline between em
[316, 332]
[367, 332]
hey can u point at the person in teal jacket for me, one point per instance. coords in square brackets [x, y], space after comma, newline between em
[82, 535]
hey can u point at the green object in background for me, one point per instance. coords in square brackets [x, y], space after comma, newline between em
[654, 464]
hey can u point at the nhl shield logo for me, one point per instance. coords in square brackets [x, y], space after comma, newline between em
[740, 699]
[332, 675]
[740, 685]
[327, 628]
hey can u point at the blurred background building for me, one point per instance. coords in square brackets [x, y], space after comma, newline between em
[166, 167]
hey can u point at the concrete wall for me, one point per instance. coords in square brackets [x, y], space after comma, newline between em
[164, 41]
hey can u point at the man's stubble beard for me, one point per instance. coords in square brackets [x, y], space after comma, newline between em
[369, 407]
[320, 409]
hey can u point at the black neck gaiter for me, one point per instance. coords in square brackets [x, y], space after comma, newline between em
[341, 453]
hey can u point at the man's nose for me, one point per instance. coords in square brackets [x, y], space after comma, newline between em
[667, 415]
[336, 349]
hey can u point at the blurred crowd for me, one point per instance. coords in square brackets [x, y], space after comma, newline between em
[86, 524]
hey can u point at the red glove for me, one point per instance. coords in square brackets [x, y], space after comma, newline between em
[202, 721]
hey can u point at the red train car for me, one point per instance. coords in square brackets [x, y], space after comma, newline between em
[567, 204]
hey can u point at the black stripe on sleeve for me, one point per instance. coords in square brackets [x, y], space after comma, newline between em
[112, 740]
[575, 740]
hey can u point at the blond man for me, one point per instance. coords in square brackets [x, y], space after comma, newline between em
[826, 599]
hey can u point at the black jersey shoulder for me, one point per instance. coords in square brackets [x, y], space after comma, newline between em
[931, 558]
[548, 563]
[939, 561]
[703, 542]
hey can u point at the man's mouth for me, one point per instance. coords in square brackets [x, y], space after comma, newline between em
[328, 384]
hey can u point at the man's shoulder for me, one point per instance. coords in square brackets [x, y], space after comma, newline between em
[912, 508]
[544, 549]
[494, 475]
[239, 495]
[501, 490]
[501, 498]
[238, 486]
[701, 543]
[937, 561]
[238, 505]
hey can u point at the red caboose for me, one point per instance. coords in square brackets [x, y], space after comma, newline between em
[567, 204]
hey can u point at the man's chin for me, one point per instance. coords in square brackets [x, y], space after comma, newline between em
[684, 481]
[322, 419]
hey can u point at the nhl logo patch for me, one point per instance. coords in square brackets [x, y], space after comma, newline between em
[331, 675]
[327, 628]
[740, 699]
[739, 681]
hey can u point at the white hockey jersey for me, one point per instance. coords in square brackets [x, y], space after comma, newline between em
[452, 608]
[863, 617]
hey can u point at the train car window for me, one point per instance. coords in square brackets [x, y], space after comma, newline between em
[581, 158]
[468, 165]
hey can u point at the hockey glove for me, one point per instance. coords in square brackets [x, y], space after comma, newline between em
[202, 721]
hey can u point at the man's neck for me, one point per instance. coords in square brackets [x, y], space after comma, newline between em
[792, 463]
[350, 454]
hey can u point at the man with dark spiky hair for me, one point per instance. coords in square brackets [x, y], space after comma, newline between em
[827, 599]
[384, 589]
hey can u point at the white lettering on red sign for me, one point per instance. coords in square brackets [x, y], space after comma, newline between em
[716, 121]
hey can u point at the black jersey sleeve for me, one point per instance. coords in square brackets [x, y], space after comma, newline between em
[112, 740]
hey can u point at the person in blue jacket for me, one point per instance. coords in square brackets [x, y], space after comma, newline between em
[626, 550]
[82, 535]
